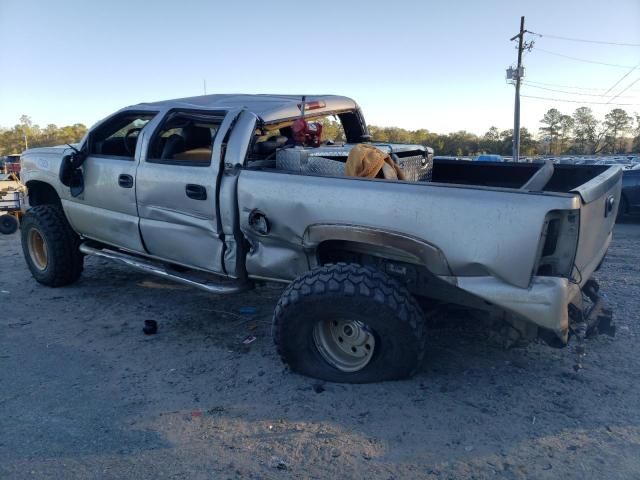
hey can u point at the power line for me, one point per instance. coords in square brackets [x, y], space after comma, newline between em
[571, 39]
[578, 101]
[583, 59]
[564, 86]
[624, 89]
[623, 77]
[570, 93]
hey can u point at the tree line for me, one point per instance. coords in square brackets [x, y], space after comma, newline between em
[579, 133]
[27, 135]
[582, 133]
[559, 133]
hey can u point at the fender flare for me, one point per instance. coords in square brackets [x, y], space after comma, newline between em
[403, 247]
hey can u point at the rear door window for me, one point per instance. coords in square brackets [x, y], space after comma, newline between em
[185, 138]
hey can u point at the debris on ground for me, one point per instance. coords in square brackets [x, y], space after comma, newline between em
[279, 463]
[150, 327]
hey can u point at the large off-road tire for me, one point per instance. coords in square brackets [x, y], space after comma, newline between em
[349, 323]
[8, 224]
[50, 246]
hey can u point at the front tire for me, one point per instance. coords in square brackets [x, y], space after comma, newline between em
[50, 246]
[349, 323]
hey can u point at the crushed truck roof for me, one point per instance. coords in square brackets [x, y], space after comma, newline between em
[267, 107]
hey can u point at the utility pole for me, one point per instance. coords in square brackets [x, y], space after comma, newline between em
[517, 76]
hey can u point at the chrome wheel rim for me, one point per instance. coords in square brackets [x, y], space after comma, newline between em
[347, 345]
[38, 249]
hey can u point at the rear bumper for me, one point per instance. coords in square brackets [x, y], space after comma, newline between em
[554, 304]
[545, 303]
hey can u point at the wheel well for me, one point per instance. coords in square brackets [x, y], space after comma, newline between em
[393, 262]
[334, 251]
[42, 193]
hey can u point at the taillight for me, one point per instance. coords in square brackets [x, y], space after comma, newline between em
[558, 244]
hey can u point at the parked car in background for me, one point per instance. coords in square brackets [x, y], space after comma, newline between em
[630, 197]
[11, 164]
[489, 158]
[449, 157]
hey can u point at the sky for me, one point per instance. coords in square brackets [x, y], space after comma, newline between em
[438, 65]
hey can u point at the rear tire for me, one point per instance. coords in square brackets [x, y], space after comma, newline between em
[8, 224]
[334, 310]
[51, 247]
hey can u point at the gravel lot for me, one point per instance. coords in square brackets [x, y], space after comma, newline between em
[84, 394]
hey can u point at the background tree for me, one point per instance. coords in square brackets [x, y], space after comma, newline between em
[332, 130]
[618, 122]
[490, 141]
[584, 129]
[13, 140]
[528, 145]
[551, 126]
[566, 127]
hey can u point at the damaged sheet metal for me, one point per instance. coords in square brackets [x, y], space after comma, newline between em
[481, 232]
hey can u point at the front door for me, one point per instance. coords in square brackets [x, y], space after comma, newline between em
[176, 189]
[107, 210]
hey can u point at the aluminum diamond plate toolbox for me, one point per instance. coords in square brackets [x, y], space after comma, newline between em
[330, 160]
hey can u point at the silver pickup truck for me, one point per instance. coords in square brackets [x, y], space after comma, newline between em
[222, 192]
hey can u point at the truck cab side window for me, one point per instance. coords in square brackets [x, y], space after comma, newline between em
[184, 139]
[118, 136]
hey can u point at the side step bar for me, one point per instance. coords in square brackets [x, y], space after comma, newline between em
[158, 270]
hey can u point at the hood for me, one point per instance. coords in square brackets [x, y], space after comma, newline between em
[57, 149]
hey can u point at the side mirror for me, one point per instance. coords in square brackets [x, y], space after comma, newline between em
[65, 170]
[70, 173]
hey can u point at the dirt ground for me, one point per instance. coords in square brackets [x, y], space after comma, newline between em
[85, 394]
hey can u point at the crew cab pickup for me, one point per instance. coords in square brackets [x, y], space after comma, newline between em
[221, 192]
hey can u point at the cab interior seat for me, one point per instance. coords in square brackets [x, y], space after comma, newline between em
[192, 144]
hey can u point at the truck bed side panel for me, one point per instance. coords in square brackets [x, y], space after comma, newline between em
[480, 231]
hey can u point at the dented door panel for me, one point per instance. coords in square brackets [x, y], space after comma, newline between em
[176, 226]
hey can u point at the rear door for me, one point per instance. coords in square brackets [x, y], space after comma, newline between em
[176, 189]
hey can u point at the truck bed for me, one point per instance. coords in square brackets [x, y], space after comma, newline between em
[512, 175]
